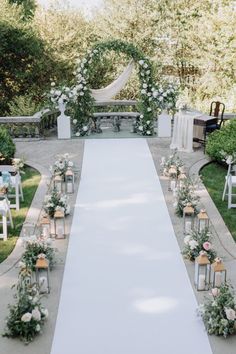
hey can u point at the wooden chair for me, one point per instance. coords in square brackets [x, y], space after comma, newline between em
[216, 110]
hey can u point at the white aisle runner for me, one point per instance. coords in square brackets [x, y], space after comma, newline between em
[125, 288]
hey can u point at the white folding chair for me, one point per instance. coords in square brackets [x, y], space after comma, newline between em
[230, 183]
[15, 182]
[5, 212]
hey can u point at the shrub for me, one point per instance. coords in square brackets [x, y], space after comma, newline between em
[7, 147]
[222, 140]
[24, 106]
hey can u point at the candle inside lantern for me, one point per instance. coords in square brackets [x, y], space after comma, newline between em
[172, 185]
[202, 225]
[188, 226]
[69, 188]
[58, 187]
[45, 231]
[201, 282]
[60, 232]
[218, 279]
[43, 284]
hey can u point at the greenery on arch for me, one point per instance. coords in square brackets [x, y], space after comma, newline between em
[151, 97]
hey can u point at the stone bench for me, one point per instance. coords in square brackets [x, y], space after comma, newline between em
[116, 119]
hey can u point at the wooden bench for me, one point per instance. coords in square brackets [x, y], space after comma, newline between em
[116, 119]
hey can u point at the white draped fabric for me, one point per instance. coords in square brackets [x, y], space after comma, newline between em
[185, 130]
[115, 87]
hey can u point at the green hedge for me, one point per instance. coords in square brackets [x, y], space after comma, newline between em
[222, 140]
[7, 147]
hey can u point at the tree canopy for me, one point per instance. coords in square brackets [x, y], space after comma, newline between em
[192, 43]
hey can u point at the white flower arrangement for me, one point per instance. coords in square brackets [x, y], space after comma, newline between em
[27, 315]
[38, 249]
[196, 242]
[171, 160]
[186, 195]
[228, 158]
[56, 201]
[61, 95]
[219, 311]
[61, 165]
[18, 164]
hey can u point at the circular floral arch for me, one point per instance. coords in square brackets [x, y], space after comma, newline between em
[151, 96]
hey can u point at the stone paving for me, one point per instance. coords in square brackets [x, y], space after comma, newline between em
[41, 154]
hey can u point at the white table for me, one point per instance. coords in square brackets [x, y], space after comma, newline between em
[187, 126]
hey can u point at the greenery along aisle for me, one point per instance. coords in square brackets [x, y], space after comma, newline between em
[153, 97]
[30, 181]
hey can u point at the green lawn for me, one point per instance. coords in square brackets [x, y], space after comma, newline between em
[30, 180]
[213, 176]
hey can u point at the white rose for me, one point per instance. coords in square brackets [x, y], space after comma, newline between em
[35, 300]
[141, 62]
[53, 84]
[143, 92]
[149, 109]
[36, 314]
[26, 317]
[187, 239]
[85, 128]
[148, 122]
[145, 86]
[141, 116]
[44, 312]
[230, 314]
[81, 93]
[140, 128]
[21, 264]
[77, 134]
[145, 66]
[74, 121]
[148, 132]
[193, 244]
[38, 328]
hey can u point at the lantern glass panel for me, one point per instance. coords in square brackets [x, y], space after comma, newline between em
[58, 184]
[70, 184]
[42, 275]
[59, 227]
[202, 276]
[28, 229]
